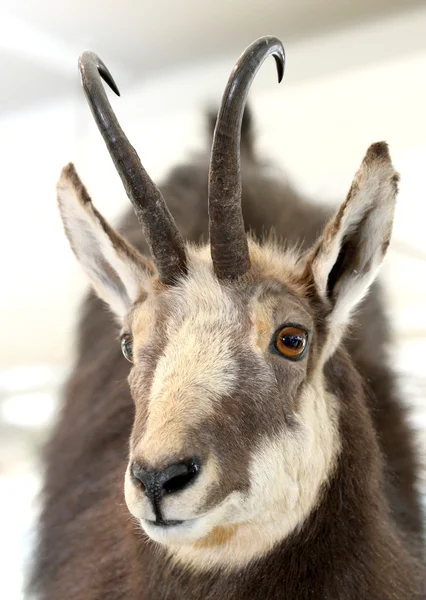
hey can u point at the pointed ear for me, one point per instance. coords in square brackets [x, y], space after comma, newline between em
[347, 257]
[118, 272]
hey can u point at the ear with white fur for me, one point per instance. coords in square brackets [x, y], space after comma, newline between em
[118, 272]
[347, 257]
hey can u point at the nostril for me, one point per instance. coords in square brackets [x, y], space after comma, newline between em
[180, 476]
[172, 479]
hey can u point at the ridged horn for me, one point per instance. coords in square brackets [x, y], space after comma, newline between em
[162, 235]
[228, 240]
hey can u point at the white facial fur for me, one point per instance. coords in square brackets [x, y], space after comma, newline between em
[286, 475]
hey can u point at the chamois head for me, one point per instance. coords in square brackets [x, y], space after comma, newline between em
[235, 430]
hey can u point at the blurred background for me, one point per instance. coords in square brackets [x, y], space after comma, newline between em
[356, 73]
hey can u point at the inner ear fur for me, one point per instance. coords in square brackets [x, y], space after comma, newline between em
[118, 272]
[345, 260]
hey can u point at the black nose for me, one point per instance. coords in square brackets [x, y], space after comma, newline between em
[174, 478]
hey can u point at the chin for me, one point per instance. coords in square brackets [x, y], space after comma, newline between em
[177, 533]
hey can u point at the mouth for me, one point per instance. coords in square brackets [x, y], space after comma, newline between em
[164, 523]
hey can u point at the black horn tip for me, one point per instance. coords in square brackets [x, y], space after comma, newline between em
[91, 57]
[278, 52]
[107, 77]
[280, 61]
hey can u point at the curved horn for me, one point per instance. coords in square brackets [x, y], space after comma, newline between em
[228, 240]
[164, 240]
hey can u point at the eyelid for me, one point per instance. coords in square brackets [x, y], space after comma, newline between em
[291, 324]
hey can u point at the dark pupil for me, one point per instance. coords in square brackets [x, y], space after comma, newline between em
[292, 341]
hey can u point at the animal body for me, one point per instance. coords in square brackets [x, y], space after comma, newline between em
[259, 435]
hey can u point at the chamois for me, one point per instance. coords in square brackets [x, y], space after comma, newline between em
[261, 438]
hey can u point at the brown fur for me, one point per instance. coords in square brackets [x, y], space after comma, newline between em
[363, 540]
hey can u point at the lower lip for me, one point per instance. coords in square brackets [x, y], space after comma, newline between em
[173, 531]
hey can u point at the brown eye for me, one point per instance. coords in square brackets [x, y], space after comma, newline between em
[291, 342]
[127, 346]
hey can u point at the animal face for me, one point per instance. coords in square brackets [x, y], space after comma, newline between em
[227, 378]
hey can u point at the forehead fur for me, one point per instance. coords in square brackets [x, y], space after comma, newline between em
[268, 261]
[201, 294]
